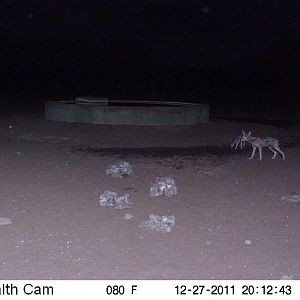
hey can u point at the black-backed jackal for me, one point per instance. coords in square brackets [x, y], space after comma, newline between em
[237, 140]
[256, 142]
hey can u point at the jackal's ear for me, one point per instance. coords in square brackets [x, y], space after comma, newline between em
[249, 133]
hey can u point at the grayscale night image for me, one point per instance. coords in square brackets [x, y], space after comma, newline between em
[149, 139]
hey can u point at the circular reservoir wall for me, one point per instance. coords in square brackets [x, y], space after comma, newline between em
[130, 112]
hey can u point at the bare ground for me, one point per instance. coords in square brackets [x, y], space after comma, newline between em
[230, 220]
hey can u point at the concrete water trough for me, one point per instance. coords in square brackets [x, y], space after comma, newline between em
[128, 112]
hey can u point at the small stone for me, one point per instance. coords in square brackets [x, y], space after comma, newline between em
[128, 216]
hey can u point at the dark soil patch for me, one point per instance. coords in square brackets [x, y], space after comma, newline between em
[275, 123]
[161, 152]
[220, 152]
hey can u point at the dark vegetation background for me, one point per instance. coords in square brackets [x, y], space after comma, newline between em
[226, 53]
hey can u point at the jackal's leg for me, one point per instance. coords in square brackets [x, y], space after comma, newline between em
[274, 152]
[278, 149]
[260, 152]
[236, 145]
[253, 151]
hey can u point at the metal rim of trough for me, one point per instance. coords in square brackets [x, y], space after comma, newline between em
[100, 110]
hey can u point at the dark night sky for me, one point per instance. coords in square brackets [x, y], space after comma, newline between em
[151, 49]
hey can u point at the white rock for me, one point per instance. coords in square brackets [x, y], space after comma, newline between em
[291, 198]
[286, 277]
[5, 221]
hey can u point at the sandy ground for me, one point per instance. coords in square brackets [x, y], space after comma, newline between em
[230, 220]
